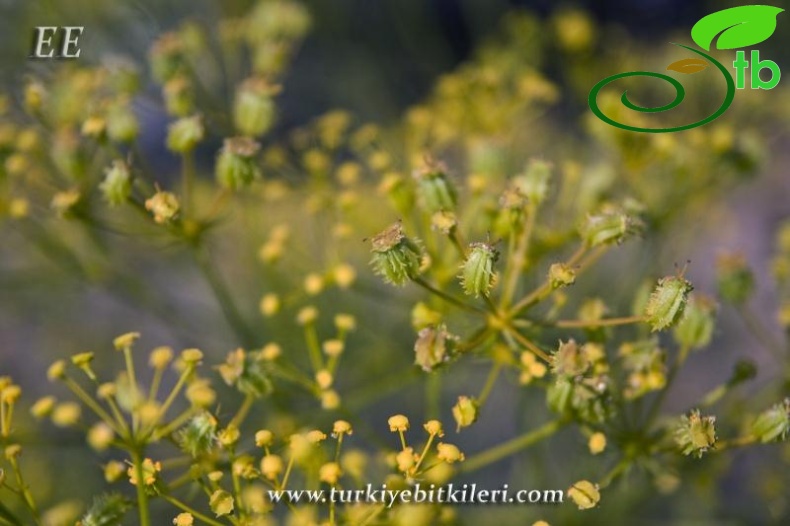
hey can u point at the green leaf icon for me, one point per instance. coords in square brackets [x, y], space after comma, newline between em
[739, 26]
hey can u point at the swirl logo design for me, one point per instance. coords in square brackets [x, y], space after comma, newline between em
[736, 27]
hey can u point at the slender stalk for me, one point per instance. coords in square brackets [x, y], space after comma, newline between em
[142, 497]
[241, 414]
[86, 399]
[762, 334]
[522, 246]
[127, 355]
[446, 297]
[604, 322]
[224, 298]
[528, 344]
[187, 182]
[511, 447]
[24, 490]
[493, 374]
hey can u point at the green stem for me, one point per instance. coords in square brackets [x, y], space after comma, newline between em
[225, 299]
[241, 414]
[446, 297]
[493, 374]
[511, 447]
[604, 322]
[142, 497]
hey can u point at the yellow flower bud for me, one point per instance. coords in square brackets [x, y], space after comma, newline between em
[584, 494]
[406, 459]
[270, 305]
[271, 351]
[160, 357]
[330, 400]
[465, 411]
[264, 438]
[184, 519]
[597, 443]
[228, 436]
[341, 427]
[434, 427]
[100, 436]
[307, 315]
[191, 356]
[43, 407]
[313, 284]
[345, 322]
[113, 471]
[221, 503]
[66, 414]
[324, 379]
[330, 473]
[57, 370]
[344, 275]
[398, 423]
[333, 348]
[449, 453]
[125, 341]
[315, 436]
[271, 466]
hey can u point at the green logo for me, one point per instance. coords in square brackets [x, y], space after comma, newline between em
[736, 27]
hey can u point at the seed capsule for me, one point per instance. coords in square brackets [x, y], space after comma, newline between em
[667, 302]
[434, 189]
[395, 257]
[773, 423]
[477, 275]
[117, 184]
[253, 108]
[236, 166]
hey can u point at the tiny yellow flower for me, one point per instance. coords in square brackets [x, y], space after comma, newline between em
[149, 472]
[160, 357]
[406, 459]
[315, 436]
[57, 370]
[215, 476]
[324, 379]
[465, 412]
[107, 390]
[333, 348]
[344, 275]
[113, 471]
[434, 427]
[191, 356]
[330, 399]
[270, 305]
[449, 453]
[184, 519]
[221, 503]
[342, 427]
[313, 284]
[264, 438]
[307, 315]
[584, 494]
[271, 351]
[228, 436]
[100, 436]
[125, 341]
[597, 443]
[43, 407]
[271, 466]
[330, 473]
[398, 423]
[66, 414]
[345, 322]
